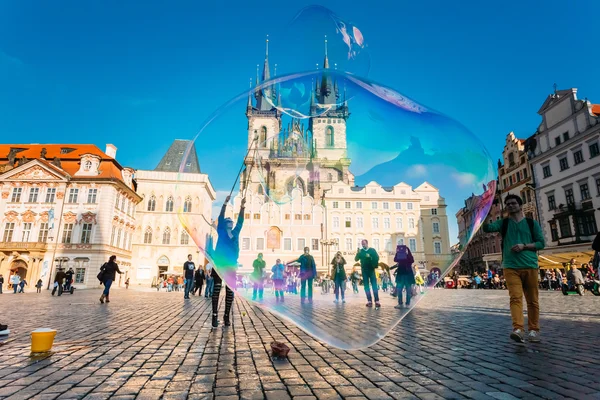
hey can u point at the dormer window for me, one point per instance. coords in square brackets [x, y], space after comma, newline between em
[87, 165]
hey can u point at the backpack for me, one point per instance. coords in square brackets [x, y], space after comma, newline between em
[504, 229]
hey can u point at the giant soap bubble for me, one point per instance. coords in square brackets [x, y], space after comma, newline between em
[324, 160]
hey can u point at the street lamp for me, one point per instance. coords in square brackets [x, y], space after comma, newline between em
[327, 243]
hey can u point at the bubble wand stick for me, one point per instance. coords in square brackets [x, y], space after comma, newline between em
[242, 166]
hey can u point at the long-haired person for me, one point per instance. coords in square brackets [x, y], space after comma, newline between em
[109, 271]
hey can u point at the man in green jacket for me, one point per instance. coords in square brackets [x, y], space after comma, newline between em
[369, 261]
[521, 270]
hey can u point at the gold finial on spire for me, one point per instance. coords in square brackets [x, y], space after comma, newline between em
[267, 52]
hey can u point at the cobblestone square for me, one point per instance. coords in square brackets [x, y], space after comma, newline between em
[149, 345]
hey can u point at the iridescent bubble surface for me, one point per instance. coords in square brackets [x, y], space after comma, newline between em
[358, 160]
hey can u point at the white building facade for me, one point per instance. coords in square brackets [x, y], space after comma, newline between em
[171, 200]
[564, 156]
[69, 206]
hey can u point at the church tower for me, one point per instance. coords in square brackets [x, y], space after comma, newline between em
[264, 123]
[329, 113]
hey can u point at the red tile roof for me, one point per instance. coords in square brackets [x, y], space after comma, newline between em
[70, 162]
[596, 109]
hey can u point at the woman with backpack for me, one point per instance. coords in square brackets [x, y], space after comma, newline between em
[405, 276]
[107, 276]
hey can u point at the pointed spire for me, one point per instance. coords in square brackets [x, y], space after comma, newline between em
[326, 62]
[250, 95]
[266, 71]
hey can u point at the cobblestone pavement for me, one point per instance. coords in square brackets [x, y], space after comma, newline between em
[149, 345]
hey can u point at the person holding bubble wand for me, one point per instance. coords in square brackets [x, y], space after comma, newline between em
[227, 250]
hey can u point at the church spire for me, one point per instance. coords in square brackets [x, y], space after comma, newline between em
[249, 106]
[266, 71]
[264, 96]
[326, 61]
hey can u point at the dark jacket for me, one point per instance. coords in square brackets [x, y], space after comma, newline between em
[227, 250]
[596, 243]
[339, 272]
[110, 270]
[369, 259]
[199, 276]
[188, 268]
[308, 267]
[60, 277]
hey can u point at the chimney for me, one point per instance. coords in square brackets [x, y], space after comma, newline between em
[111, 150]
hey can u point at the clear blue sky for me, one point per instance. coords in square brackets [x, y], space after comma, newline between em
[140, 74]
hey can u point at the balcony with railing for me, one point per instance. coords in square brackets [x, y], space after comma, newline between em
[574, 208]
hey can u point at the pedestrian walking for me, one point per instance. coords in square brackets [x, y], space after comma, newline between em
[1, 283]
[339, 277]
[198, 281]
[38, 285]
[14, 281]
[226, 257]
[405, 276]
[258, 277]
[354, 278]
[521, 239]
[369, 261]
[278, 278]
[419, 281]
[127, 283]
[210, 282]
[59, 279]
[107, 275]
[189, 268]
[22, 285]
[308, 272]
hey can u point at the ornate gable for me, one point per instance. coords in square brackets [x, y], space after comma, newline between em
[32, 171]
[28, 216]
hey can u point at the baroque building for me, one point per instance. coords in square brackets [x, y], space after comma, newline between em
[69, 206]
[514, 175]
[564, 156]
[170, 199]
[321, 206]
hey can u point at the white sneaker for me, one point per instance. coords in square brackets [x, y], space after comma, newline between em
[534, 336]
[518, 336]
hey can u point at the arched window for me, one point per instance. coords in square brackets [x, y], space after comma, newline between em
[148, 236]
[152, 203]
[187, 206]
[169, 206]
[167, 236]
[185, 238]
[262, 138]
[329, 139]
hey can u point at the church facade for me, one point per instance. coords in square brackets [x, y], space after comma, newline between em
[301, 192]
